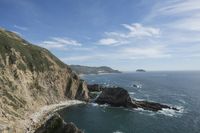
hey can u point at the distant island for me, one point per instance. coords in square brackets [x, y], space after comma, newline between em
[92, 70]
[140, 70]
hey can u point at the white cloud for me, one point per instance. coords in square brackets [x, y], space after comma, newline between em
[183, 14]
[135, 31]
[66, 41]
[138, 30]
[179, 20]
[145, 52]
[76, 58]
[126, 53]
[83, 58]
[59, 43]
[107, 41]
[21, 27]
[181, 6]
[190, 23]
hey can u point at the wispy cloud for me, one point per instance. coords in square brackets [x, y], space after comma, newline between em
[145, 52]
[138, 30]
[21, 27]
[184, 14]
[179, 22]
[180, 6]
[107, 41]
[126, 53]
[83, 58]
[134, 31]
[59, 43]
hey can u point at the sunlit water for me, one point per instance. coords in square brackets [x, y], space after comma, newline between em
[179, 89]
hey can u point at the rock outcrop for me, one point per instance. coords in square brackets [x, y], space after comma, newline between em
[95, 87]
[116, 96]
[140, 70]
[56, 125]
[31, 77]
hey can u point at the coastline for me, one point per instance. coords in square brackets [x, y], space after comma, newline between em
[82, 75]
[38, 118]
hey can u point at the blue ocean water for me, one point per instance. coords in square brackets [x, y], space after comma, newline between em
[179, 89]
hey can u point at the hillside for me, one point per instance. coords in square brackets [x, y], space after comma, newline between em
[92, 70]
[31, 77]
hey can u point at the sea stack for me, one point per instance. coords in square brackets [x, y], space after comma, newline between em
[117, 96]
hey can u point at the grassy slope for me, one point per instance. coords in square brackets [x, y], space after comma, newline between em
[33, 56]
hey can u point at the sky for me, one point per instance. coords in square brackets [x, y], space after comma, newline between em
[123, 34]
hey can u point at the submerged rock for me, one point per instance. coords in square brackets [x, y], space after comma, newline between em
[56, 125]
[117, 96]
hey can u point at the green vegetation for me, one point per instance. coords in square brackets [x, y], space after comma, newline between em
[92, 70]
[34, 56]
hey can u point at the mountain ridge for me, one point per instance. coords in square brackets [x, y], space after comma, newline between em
[79, 69]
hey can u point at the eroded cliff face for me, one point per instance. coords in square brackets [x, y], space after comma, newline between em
[31, 77]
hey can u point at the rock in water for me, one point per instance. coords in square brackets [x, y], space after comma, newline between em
[56, 125]
[95, 88]
[117, 96]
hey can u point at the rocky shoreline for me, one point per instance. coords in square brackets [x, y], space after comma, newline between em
[42, 120]
[56, 124]
[37, 119]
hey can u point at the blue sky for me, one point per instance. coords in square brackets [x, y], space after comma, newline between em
[123, 34]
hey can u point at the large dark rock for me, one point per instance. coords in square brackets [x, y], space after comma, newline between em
[56, 125]
[117, 97]
[95, 87]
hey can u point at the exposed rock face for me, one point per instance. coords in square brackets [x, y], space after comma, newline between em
[31, 77]
[95, 88]
[114, 96]
[117, 96]
[56, 125]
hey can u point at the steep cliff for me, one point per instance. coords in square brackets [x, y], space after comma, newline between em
[31, 77]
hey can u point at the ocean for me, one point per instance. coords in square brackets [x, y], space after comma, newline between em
[178, 89]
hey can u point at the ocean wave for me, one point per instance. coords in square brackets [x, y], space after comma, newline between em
[139, 99]
[172, 112]
[118, 131]
[94, 104]
[182, 101]
[131, 93]
[166, 112]
[97, 105]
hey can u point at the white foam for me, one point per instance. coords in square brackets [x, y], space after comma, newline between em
[118, 131]
[166, 112]
[94, 104]
[131, 93]
[172, 112]
[104, 105]
[97, 105]
[139, 109]
[139, 99]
